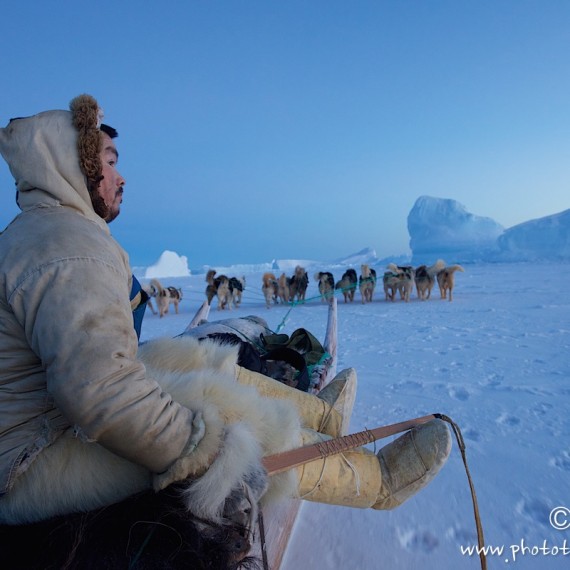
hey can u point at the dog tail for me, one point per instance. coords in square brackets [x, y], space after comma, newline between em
[268, 279]
[158, 286]
[436, 267]
[454, 268]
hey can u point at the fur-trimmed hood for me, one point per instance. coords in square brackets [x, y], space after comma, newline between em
[43, 153]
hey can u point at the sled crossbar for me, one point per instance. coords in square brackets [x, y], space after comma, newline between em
[286, 460]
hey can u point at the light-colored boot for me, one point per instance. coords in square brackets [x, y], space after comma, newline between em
[329, 412]
[359, 478]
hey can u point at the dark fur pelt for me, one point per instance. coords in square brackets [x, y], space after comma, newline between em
[149, 531]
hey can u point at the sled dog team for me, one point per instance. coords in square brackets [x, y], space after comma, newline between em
[396, 279]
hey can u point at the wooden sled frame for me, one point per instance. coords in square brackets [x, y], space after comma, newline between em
[279, 518]
[270, 543]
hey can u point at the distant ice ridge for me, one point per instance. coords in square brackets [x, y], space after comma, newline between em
[543, 238]
[275, 266]
[169, 264]
[442, 228]
[439, 229]
[368, 256]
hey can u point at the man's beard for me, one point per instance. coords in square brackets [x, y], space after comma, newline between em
[112, 213]
[101, 208]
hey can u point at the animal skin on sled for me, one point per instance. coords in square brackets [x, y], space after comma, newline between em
[193, 372]
[150, 531]
[221, 548]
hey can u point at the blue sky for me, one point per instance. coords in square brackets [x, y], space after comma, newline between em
[254, 130]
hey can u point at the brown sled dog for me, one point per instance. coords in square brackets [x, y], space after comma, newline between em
[269, 288]
[283, 288]
[212, 285]
[406, 282]
[347, 284]
[298, 284]
[446, 280]
[367, 283]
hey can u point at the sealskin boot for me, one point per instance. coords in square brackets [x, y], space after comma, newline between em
[358, 478]
[410, 462]
[329, 412]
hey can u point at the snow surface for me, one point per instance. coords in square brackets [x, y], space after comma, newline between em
[496, 360]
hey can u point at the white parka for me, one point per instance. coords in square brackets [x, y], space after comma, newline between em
[67, 343]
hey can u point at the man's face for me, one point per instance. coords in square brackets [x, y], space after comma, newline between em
[111, 187]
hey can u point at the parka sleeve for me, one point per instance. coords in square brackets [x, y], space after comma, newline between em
[77, 318]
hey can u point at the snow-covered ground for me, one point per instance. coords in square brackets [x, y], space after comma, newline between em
[497, 361]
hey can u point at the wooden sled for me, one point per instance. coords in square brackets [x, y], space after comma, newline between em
[278, 519]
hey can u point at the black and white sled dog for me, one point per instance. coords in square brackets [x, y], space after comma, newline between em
[165, 296]
[237, 287]
[425, 278]
[325, 280]
[228, 289]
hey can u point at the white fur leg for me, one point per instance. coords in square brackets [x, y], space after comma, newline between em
[274, 424]
[70, 476]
